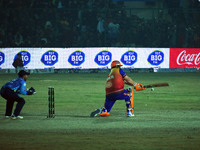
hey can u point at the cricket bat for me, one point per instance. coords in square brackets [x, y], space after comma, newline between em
[156, 85]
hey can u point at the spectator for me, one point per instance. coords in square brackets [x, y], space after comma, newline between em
[60, 5]
[101, 30]
[113, 32]
[18, 63]
[18, 39]
[90, 4]
[2, 34]
[43, 42]
[48, 33]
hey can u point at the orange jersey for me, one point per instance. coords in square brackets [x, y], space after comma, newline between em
[115, 81]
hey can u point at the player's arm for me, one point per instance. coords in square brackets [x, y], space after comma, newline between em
[22, 88]
[129, 81]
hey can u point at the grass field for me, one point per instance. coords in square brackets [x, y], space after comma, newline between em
[167, 118]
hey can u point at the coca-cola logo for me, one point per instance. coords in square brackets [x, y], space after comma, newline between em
[189, 59]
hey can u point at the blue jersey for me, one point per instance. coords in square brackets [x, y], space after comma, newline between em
[17, 85]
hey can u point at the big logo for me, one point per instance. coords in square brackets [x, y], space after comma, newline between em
[156, 57]
[76, 58]
[26, 57]
[49, 58]
[129, 58]
[2, 58]
[103, 58]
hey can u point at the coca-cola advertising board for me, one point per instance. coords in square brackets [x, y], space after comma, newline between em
[184, 58]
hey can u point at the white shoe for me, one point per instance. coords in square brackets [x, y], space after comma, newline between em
[16, 117]
[20, 117]
[7, 117]
[129, 114]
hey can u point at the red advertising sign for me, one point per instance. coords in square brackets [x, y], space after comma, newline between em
[184, 58]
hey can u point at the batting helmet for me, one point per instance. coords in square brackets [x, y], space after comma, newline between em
[115, 63]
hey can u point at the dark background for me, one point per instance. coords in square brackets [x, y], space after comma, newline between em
[74, 23]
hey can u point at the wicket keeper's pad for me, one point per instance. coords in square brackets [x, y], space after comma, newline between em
[132, 100]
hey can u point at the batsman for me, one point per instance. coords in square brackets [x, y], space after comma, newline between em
[115, 91]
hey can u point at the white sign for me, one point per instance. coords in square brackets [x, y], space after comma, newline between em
[85, 58]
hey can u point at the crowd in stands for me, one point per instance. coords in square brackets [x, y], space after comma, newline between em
[94, 23]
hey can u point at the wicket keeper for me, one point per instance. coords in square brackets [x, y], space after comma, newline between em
[11, 90]
[115, 90]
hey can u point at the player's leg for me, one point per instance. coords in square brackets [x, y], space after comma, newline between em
[130, 93]
[11, 97]
[109, 102]
[105, 111]
[9, 107]
[129, 108]
[19, 106]
[5, 93]
[125, 95]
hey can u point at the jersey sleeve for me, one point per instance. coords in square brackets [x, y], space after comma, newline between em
[123, 74]
[22, 88]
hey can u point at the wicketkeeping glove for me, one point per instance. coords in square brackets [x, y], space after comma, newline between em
[31, 91]
[139, 87]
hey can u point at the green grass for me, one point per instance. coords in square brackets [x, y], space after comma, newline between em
[166, 118]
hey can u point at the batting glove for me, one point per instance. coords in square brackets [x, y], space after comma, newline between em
[139, 87]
